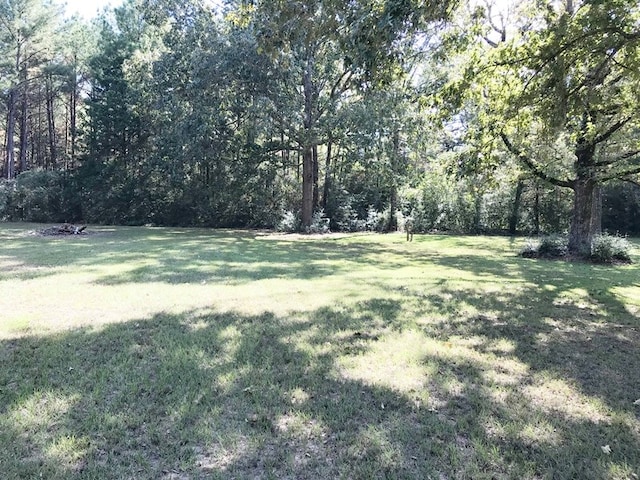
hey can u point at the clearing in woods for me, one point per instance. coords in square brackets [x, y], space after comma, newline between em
[157, 353]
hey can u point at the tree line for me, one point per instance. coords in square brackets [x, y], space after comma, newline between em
[293, 114]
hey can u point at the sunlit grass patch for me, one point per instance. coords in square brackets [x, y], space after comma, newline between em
[553, 395]
[69, 451]
[15, 325]
[41, 411]
[178, 353]
[396, 362]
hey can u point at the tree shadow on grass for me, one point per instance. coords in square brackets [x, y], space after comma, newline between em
[178, 256]
[234, 396]
[578, 340]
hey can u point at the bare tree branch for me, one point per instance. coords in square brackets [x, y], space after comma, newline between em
[533, 167]
[625, 156]
[620, 175]
[613, 129]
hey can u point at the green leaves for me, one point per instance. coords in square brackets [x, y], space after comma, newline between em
[570, 76]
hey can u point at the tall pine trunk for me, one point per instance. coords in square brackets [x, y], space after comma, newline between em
[11, 129]
[73, 105]
[307, 186]
[39, 138]
[316, 175]
[24, 129]
[536, 210]
[51, 125]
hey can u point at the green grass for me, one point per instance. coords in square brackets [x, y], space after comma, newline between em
[153, 353]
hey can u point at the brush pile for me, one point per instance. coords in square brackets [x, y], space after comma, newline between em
[64, 229]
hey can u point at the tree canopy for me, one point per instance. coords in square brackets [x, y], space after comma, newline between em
[560, 90]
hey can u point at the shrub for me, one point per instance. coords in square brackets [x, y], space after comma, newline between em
[290, 222]
[7, 189]
[553, 246]
[34, 196]
[319, 223]
[549, 246]
[376, 221]
[530, 249]
[346, 218]
[607, 248]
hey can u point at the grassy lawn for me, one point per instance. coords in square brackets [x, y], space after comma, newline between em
[150, 353]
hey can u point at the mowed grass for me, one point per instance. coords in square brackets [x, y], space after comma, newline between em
[150, 353]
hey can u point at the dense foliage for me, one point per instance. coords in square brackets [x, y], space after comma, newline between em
[309, 115]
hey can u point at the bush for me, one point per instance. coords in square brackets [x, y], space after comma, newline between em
[530, 249]
[553, 246]
[610, 248]
[7, 189]
[550, 246]
[346, 218]
[319, 223]
[604, 248]
[290, 222]
[34, 196]
[376, 221]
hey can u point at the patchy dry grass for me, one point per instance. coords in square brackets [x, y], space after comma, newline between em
[176, 354]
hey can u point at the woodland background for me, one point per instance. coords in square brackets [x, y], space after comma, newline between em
[468, 117]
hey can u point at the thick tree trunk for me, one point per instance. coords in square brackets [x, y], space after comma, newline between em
[585, 221]
[582, 221]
